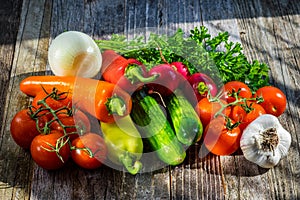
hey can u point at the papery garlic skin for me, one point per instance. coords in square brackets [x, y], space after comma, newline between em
[74, 53]
[252, 138]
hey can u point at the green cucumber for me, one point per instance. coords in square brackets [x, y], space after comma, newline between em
[186, 122]
[152, 122]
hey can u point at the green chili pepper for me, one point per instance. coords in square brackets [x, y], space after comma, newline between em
[124, 143]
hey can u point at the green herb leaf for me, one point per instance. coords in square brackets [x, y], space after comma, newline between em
[217, 57]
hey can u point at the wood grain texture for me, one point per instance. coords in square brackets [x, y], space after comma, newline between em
[269, 37]
[10, 17]
[269, 32]
[12, 184]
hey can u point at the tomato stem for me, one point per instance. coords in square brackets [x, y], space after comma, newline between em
[238, 100]
[61, 142]
[88, 150]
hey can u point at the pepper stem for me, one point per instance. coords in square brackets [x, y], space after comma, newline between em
[132, 166]
[202, 88]
[116, 105]
[134, 73]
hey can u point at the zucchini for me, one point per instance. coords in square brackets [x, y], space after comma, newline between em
[152, 122]
[186, 122]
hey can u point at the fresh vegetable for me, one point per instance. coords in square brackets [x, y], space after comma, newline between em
[167, 81]
[274, 100]
[74, 53]
[50, 151]
[235, 89]
[187, 75]
[222, 136]
[265, 141]
[128, 74]
[124, 143]
[153, 124]
[200, 52]
[245, 113]
[181, 69]
[187, 125]
[49, 139]
[75, 123]
[207, 109]
[54, 98]
[104, 100]
[89, 151]
[23, 128]
[202, 85]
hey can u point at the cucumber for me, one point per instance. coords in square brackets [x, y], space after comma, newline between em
[186, 122]
[152, 122]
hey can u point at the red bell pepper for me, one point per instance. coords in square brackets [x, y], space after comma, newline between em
[202, 83]
[168, 79]
[129, 74]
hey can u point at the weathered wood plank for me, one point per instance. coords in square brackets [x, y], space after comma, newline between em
[143, 17]
[73, 182]
[207, 180]
[10, 17]
[9, 23]
[268, 36]
[16, 165]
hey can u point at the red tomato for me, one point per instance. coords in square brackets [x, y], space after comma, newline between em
[207, 110]
[220, 139]
[75, 125]
[246, 114]
[55, 100]
[43, 150]
[23, 128]
[274, 100]
[97, 146]
[238, 87]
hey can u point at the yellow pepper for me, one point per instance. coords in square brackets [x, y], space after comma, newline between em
[124, 143]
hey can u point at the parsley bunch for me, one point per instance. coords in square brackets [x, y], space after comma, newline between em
[217, 57]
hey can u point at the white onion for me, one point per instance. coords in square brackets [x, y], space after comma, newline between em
[74, 53]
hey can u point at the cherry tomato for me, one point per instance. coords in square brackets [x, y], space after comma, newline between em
[274, 100]
[221, 139]
[23, 128]
[207, 110]
[75, 125]
[95, 143]
[43, 150]
[55, 100]
[245, 114]
[232, 87]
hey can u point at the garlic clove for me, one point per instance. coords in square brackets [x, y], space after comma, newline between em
[74, 53]
[265, 141]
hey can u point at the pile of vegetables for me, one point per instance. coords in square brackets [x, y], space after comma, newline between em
[161, 95]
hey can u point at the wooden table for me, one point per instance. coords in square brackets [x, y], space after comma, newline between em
[269, 32]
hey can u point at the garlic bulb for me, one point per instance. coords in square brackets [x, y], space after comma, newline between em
[265, 141]
[74, 53]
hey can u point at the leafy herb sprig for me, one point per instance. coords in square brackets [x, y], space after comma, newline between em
[218, 57]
